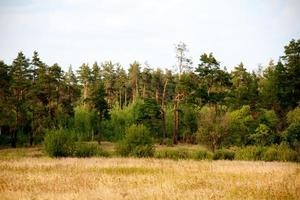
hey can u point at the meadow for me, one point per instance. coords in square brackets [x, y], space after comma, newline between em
[27, 173]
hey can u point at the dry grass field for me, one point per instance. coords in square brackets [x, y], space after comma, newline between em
[28, 174]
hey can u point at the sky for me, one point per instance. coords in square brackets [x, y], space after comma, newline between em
[71, 32]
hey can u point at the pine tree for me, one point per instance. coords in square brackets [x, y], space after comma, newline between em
[20, 85]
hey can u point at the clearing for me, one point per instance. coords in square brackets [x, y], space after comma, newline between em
[25, 173]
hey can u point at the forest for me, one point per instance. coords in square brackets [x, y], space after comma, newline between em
[142, 106]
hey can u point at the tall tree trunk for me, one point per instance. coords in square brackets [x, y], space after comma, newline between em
[163, 123]
[136, 88]
[176, 122]
[14, 130]
[32, 129]
[133, 95]
[125, 97]
[156, 95]
[144, 91]
[99, 132]
[85, 94]
[120, 98]
[163, 110]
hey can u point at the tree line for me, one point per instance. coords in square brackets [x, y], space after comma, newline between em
[206, 105]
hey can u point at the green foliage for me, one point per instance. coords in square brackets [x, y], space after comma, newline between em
[213, 128]
[280, 153]
[137, 142]
[262, 135]
[238, 108]
[203, 155]
[269, 118]
[59, 143]
[121, 118]
[169, 120]
[22, 139]
[85, 150]
[293, 135]
[272, 153]
[223, 154]
[249, 153]
[168, 142]
[145, 112]
[83, 122]
[294, 116]
[174, 154]
[241, 125]
[189, 122]
[148, 114]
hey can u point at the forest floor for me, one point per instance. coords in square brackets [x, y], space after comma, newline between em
[26, 173]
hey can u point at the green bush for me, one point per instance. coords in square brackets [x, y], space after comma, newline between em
[271, 154]
[174, 154]
[58, 143]
[213, 128]
[293, 134]
[89, 150]
[168, 142]
[280, 153]
[22, 139]
[102, 153]
[85, 150]
[249, 153]
[5, 140]
[137, 142]
[203, 155]
[84, 123]
[223, 154]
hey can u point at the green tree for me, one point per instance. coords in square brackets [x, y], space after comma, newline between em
[134, 76]
[6, 116]
[84, 76]
[213, 81]
[100, 105]
[20, 85]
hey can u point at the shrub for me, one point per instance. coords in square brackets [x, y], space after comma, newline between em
[241, 125]
[293, 134]
[168, 142]
[89, 150]
[5, 140]
[213, 128]
[85, 150]
[137, 142]
[223, 154]
[83, 123]
[22, 139]
[203, 155]
[249, 153]
[280, 153]
[102, 153]
[174, 154]
[58, 143]
[271, 154]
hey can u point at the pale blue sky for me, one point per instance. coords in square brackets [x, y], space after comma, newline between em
[77, 31]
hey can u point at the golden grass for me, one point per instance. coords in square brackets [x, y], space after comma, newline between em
[38, 177]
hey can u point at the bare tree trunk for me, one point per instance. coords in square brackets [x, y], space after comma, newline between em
[120, 100]
[136, 88]
[32, 129]
[133, 95]
[175, 131]
[156, 95]
[176, 122]
[85, 94]
[144, 91]
[125, 97]
[163, 110]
